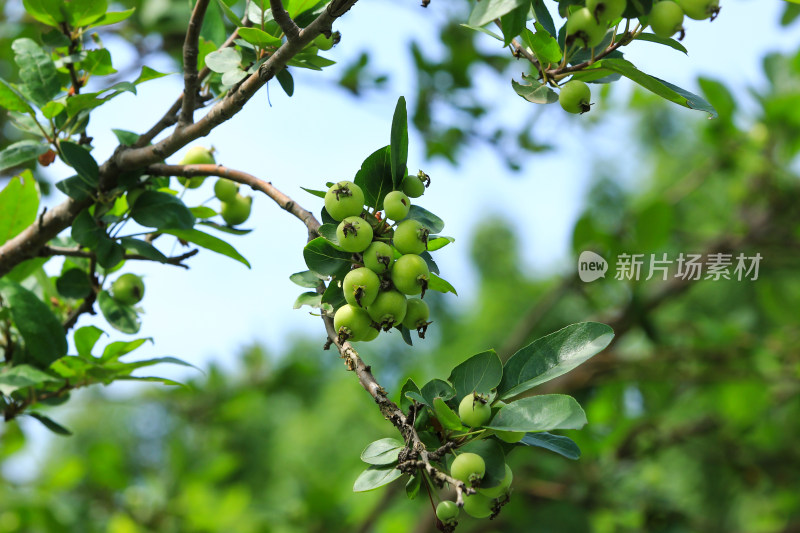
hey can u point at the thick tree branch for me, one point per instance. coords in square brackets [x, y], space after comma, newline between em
[285, 21]
[190, 53]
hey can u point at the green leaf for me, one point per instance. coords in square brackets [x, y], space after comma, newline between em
[555, 443]
[85, 12]
[538, 94]
[438, 242]
[117, 349]
[480, 373]
[11, 99]
[399, 142]
[121, 317]
[85, 339]
[76, 188]
[334, 296]
[74, 283]
[544, 45]
[21, 376]
[426, 218]
[53, 109]
[25, 269]
[56, 428]
[382, 452]
[436, 388]
[98, 63]
[657, 86]
[408, 386]
[322, 257]
[109, 252]
[513, 22]
[483, 30]
[412, 487]
[446, 416]
[36, 70]
[225, 228]
[112, 17]
[540, 413]
[543, 17]
[19, 203]
[375, 177]
[21, 152]
[307, 279]
[209, 242]
[375, 477]
[154, 209]
[148, 74]
[486, 11]
[328, 232]
[224, 60]
[85, 230]
[82, 161]
[286, 81]
[311, 299]
[719, 96]
[143, 248]
[257, 37]
[45, 11]
[492, 454]
[229, 14]
[553, 355]
[202, 211]
[126, 138]
[653, 38]
[42, 331]
[435, 283]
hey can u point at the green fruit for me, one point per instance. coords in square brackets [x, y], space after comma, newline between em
[354, 234]
[478, 505]
[413, 186]
[410, 274]
[474, 411]
[417, 313]
[226, 190]
[574, 97]
[128, 289]
[509, 436]
[388, 309]
[236, 211]
[396, 205]
[344, 199]
[606, 11]
[468, 467]
[502, 488]
[666, 19]
[196, 155]
[360, 287]
[378, 257]
[584, 30]
[371, 335]
[351, 323]
[447, 511]
[410, 237]
[700, 9]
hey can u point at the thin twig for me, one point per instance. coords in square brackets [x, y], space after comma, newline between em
[281, 16]
[49, 251]
[190, 53]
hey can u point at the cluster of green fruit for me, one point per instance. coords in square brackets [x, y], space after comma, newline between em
[587, 27]
[128, 289]
[234, 207]
[475, 412]
[388, 267]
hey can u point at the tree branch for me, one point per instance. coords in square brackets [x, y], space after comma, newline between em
[49, 251]
[283, 19]
[190, 53]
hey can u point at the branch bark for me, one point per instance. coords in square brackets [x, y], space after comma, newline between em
[190, 53]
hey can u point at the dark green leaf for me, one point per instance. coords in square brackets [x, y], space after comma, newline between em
[513, 22]
[408, 386]
[56, 428]
[121, 317]
[540, 413]
[555, 443]
[86, 231]
[21, 152]
[480, 373]
[653, 38]
[42, 331]
[74, 283]
[85, 339]
[435, 283]
[328, 232]
[323, 258]
[436, 388]
[426, 218]
[126, 138]
[21, 376]
[286, 81]
[225, 228]
[82, 161]
[382, 452]
[543, 17]
[37, 71]
[109, 252]
[209, 242]
[412, 487]
[19, 202]
[160, 210]
[486, 11]
[334, 296]
[143, 248]
[229, 14]
[375, 477]
[375, 177]
[551, 356]
[76, 188]
[492, 454]
[446, 416]
[399, 142]
[719, 96]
